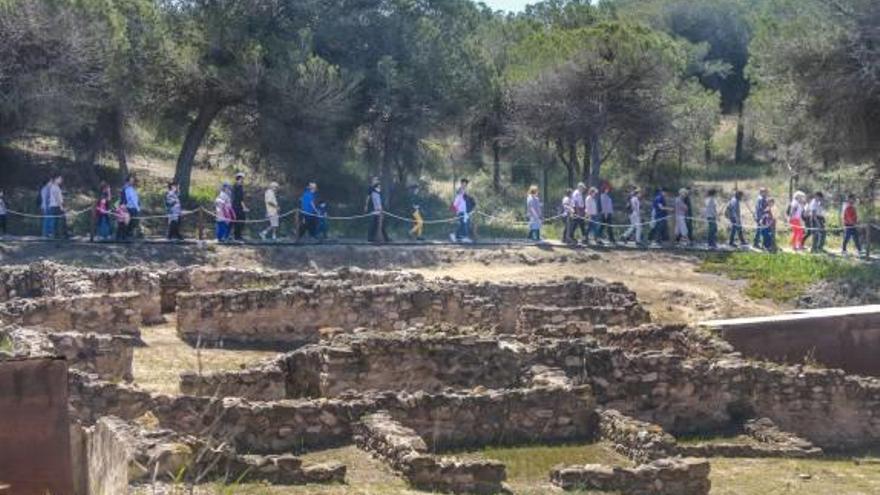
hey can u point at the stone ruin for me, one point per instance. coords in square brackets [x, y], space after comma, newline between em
[412, 371]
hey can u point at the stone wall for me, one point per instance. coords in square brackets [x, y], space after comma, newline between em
[674, 476]
[292, 315]
[408, 454]
[108, 356]
[640, 441]
[112, 314]
[532, 317]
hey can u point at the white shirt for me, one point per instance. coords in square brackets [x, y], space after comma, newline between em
[817, 207]
[635, 205]
[567, 207]
[577, 199]
[459, 204]
[711, 209]
[56, 199]
[592, 206]
[271, 202]
[796, 210]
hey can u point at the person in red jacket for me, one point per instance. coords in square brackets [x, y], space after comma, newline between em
[850, 223]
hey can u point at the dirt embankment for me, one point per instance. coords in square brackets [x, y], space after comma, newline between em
[668, 283]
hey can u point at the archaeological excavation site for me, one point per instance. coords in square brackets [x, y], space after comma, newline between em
[418, 378]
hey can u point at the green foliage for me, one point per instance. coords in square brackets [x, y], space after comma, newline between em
[783, 277]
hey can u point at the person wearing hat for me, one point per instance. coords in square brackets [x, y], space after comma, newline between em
[238, 206]
[634, 206]
[271, 201]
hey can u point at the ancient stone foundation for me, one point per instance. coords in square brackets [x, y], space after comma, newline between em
[408, 454]
[410, 370]
[673, 476]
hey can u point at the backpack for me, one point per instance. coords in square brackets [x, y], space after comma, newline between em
[470, 204]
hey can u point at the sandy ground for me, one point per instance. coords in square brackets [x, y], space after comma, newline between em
[668, 282]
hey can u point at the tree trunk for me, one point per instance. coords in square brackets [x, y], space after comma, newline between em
[118, 129]
[585, 172]
[595, 159]
[560, 153]
[194, 137]
[707, 151]
[496, 165]
[740, 135]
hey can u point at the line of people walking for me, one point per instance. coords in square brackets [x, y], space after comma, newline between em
[590, 213]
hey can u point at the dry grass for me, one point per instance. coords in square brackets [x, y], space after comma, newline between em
[528, 468]
[158, 364]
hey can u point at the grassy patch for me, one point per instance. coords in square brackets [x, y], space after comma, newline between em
[782, 277]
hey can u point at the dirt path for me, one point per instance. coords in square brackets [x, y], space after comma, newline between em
[669, 284]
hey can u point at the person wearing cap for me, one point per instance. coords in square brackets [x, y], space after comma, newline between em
[760, 206]
[238, 205]
[634, 205]
[681, 214]
[271, 201]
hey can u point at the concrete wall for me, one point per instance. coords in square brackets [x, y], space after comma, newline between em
[845, 338]
[35, 452]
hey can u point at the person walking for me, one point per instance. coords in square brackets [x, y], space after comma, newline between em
[681, 214]
[224, 213]
[308, 212]
[634, 205]
[796, 220]
[579, 221]
[122, 220]
[374, 206]
[850, 219]
[710, 212]
[240, 208]
[3, 212]
[103, 210]
[659, 213]
[173, 209]
[808, 220]
[760, 207]
[418, 227]
[606, 207]
[46, 220]
[689, 218]
[56, 209]
[323, 221]
[271, 201]
[460, 208]
[133, 204]
[592, 213]
[768, 226]
[535, 211]
[817, 208]
[567, 212]
[733, 213]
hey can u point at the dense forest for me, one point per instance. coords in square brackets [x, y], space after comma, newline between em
[299, 88]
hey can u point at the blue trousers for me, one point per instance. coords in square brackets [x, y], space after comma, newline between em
[851, 232]
[222, 231]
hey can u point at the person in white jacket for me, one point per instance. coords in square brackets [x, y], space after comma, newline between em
[271, 201]
[634, 232]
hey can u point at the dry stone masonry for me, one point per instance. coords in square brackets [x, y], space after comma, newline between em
[409, 370]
